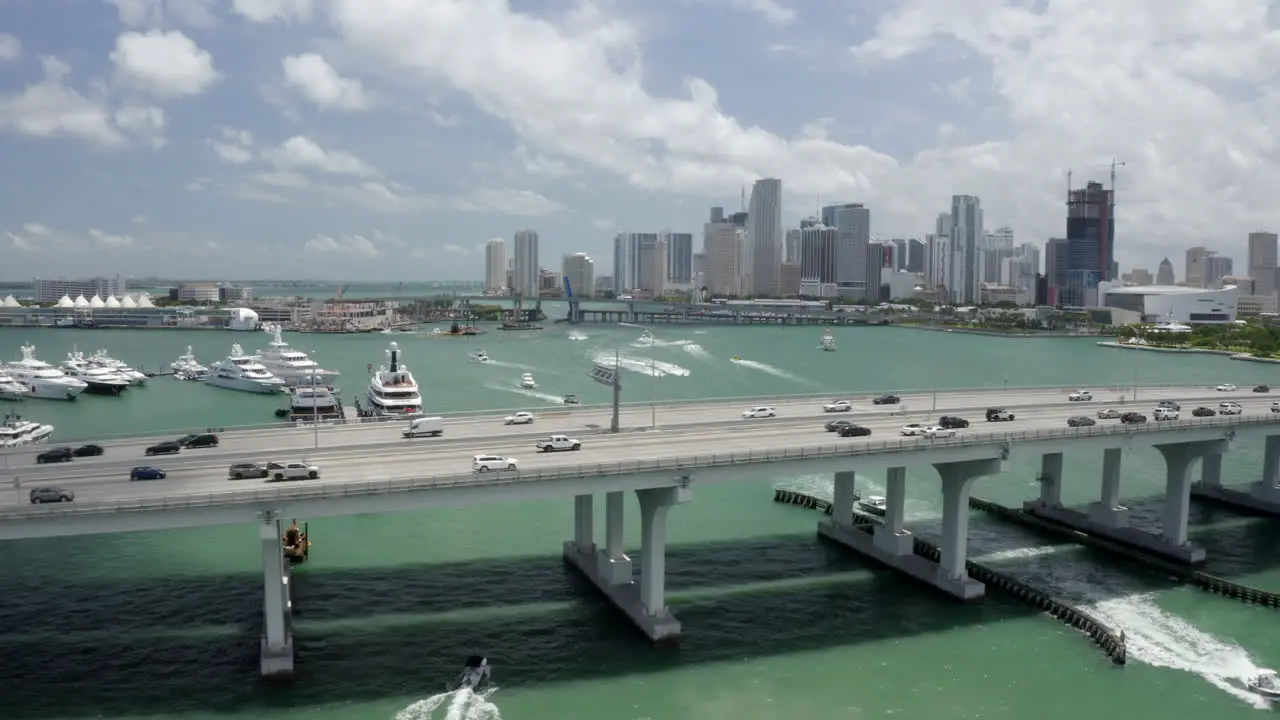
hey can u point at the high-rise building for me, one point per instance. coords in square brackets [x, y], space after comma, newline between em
[1055, 269]
[997, 247]
[626, 259]
[1262, 262]
[652, 265]
[679, 257]
[1139, 276]
[495, 265]
[1091, 231]
[764, 237]
[915, 256]
[818, 253]
[852, 222]
[722, 249]
[1194, 267]
[1164, 273]
[791, 247]
[51, 291]
[527, 274]
[579, 275]
[1216, 267]
[966, 248]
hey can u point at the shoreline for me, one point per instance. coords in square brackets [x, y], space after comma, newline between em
[1230, 354]
[992, 333]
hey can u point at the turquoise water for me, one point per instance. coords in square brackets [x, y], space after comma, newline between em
[777, 624]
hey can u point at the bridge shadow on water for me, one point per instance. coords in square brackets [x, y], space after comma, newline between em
[121, 649]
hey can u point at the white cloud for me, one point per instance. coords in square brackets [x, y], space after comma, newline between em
[155, 13]
[166, 63]
[17, 242]
[351, 245]
[302, 153]
[524, 203]
[10, 47]
[541, 165]
[268, 11]
[316, 79]
[454, 249]
[110, 240]
[771, 10]
[233, 146]
[34, 228]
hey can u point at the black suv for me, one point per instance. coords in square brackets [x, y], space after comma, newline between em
[198, 440]
[1204, 412]
[854, 431]
[88, 451]
[168, 447]
[951, 421]
[1133, 418]
[43, 495]
[55, 455]
[887, 399]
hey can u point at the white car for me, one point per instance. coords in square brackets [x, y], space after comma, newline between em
[937, 431]
[1080, 396]
[838, 406]
[278, 472]
[1109, 414]
[759, 412]
[1165, 413]
[485, 463]
[1275, 407]
[914, 430]
[520, 418]
[557, 443]
[1230, 408]
[1226, 387]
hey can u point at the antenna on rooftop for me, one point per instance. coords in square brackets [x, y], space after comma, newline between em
[744, 198]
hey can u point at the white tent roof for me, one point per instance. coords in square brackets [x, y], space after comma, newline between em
[81, 301]
[65, 302]
[9, 301]
[128, 302]
[112, 302]
[144, 301]
[96, 302]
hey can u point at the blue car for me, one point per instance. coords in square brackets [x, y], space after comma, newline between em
[146, 472]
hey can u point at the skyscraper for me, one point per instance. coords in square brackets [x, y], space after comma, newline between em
[915, 256]
[579, 275]
[852, 222]
[1262, 262]
[791, 245]
[679, 256]
[1055, 269]
[526, 274]
[966, 248]
[1091, 234]
[722, 249]
[495, 265]
[1195, 262]
[764, 237]
[818, 247]
[1164, 273]
[626, 259]
[651, 268]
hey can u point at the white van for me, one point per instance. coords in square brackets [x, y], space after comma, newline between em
[425, 426]
[1165, 413]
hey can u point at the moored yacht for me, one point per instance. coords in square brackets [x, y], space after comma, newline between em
[392, 389]
[10, 388]
[314, 403]
[100, 358]
[479, 356]
[292, 366]
[186, 367]
[44, 380]
[15, 431]
[100, 380]
[527, 382]
[243, 372]
[828, 342]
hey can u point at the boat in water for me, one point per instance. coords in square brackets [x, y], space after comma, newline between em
[479, 356]
[43, 380]
[292, 366]
[875, 505]
[15, 432]
[475, 673]
[100, 358]
[296, 545]
[1266, 684]
[313, 403]
[243, 372]
[100, 380]
[393, 392]
[456, 329]
[11, 389]
[828, 342]
[186, 367]
[527, 382]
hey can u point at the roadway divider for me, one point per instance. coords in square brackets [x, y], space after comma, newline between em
[1199, 578]
[1111, 643]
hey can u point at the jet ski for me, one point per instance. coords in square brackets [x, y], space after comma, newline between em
[475, 672]
[1266, 684]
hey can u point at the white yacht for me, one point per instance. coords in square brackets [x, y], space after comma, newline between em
[828, 342]
[10, 388]
[44, 380]
[479, 356]
[314, 403]
[392, 389]
[100, 358]
[527, 382]
[186, 367]
[292, 366]
[243, 372]
[875, 505]
[100, 380]
[15, 431]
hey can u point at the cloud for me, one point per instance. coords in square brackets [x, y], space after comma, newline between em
[34, 228]
[233, 146]
[10, 47]
[165, 63]
[110, 240]
[17, 242]
[316, 79]
[302, 153]
[158, 13]
[267, 11]
[454, 249]
[352, 245]
[771, 10]
[52, 108]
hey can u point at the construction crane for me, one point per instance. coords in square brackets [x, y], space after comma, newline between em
[1113, 165]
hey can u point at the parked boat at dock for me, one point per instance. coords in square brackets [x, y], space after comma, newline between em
[100, 380]
[15, 432]
[292, 366]
[314, 403]
[243, 372]
[186, 367]
[42, 379]
[393, 392]
[100, 358]
[11, 389]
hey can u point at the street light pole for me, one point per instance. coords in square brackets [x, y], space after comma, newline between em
[653, 374]
[315, 409]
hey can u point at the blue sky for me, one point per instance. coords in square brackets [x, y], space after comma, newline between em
[359, 140]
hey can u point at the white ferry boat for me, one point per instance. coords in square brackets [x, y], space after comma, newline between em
[15, 431]
[392, 390]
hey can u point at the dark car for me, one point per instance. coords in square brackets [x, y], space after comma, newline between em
[88, 451]
[852, 430]
[1204, 412]
[887, 399]
[835, 425]
[951, 421]
[1081, 421]
[998, 415]
[198, 440]
[146, 472]
[168, 447]
[1261, 388]
[1133, 418]
[240, 471]
[43, 495]
[55, 455]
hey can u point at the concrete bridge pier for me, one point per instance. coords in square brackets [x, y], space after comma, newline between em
[1262, 496]
[277, 605]
[1108, 512]
[890, 536]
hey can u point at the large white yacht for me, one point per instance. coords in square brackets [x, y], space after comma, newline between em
[44, 380]
[292, 366]
[15, 431]
[10, 388]
[392, 389]
[243, 372]
[100, 358]
[101, 380]
[186, 367]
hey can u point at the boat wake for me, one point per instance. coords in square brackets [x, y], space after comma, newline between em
[643, 365]
[505, 364]
[546, 397]
[457, 705]
[574, 335]
[765, 368]
[696, 350]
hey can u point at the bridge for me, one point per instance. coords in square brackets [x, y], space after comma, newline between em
[370, 469]
[612, 310]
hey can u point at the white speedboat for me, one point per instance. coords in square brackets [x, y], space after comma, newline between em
[292, 366]
[475, 672]
[10, 388]
[42, 379]
[15, 431]
[314, 403]
[392, 390]
[100, 380]
[828, 342]
[186, 367]
[243, 372]
[100, 358]
[527, 382]
[875, 505]
[479, 356]
[1266, 684]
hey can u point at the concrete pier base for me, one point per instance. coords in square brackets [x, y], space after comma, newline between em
[964, 588]
[1261, 498]
[625, 595]
[277, 605]
[1189, 553]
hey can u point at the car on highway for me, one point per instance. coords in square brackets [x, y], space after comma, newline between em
[558, 443]
[1109, 414]
[88, 451]
[1133, 418]
[241, 471]
[295, 470]
[1275, 407]
[485, 463]
[763, 411]
[1169, 404]
[1230, 408]
[951, 421]
[1203, 411]
[998, 415]
[937, 431]
[1081, 421]
[1080, 396]
[838, 406]
[913, 430]
[146, 472]
[835, 425]
[1165, 413]
[1226, 387]
[520, 418]
[887, 399]
[1261, 388]
[43, 495]
[55, 455]
[852, 430]
[198, 440]
[168, 447]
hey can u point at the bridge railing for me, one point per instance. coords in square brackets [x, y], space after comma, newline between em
[304, 491]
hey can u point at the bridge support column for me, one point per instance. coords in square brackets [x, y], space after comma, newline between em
[277, 628]
[890, 536]
[1211, 471]
[584, 524]
[1108, 512]
[843, 496]
[1051, 480]
[1262, 496]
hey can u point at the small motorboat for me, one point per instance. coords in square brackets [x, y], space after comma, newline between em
[296, 545]
[1265, 683]
[527, 382]
[828, 342]
[570, 399]
[875, 505]
[475, 672]
[479, 356]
